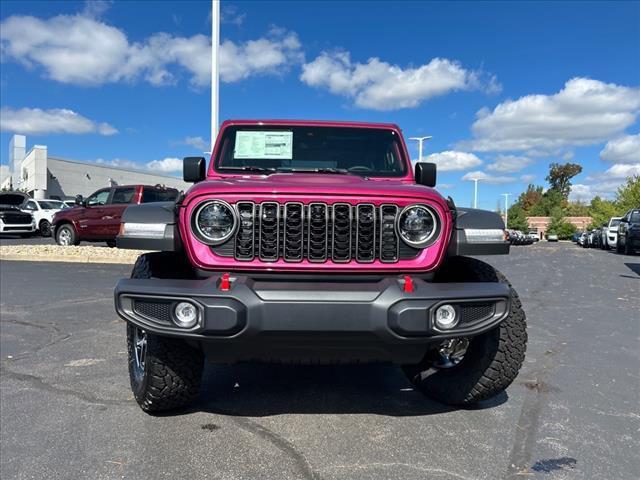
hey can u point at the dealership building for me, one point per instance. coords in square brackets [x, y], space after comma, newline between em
[45, 176]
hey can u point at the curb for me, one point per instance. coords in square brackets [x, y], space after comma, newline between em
[69, 259]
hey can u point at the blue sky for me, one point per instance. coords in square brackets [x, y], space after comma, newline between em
[504, 88]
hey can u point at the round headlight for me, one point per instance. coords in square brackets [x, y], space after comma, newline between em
[215, 222]
[417, 225]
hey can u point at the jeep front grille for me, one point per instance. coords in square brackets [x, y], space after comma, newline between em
[316, 232]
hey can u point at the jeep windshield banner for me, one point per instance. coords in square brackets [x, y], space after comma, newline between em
[272, 145]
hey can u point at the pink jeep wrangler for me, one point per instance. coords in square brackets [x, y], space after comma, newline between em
[319, 243]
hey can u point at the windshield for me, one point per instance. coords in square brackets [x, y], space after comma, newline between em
[614, 223]
[361, 151]
[51, 205]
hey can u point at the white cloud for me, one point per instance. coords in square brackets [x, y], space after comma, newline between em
[585, 192]
[509, 164]
[452, 160]
[527, 178]
[622, 149]
[35, 121]
[198, 143]
[604, 184]
[96, 8]
[620, 170]
[83, 50]
[166, 165]
[379, 85]
[230, 14]
[584, 112]
[487, 178]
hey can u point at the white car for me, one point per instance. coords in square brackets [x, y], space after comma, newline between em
[610, 233]
[43, 212]
[534, 235]
[12, 219]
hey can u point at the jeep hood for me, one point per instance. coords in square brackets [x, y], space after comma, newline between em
[311, 184]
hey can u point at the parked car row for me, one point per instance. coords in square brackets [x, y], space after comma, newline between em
[97, 218]
[516, 237]
[619, 233]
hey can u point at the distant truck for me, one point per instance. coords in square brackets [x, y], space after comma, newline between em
[97, 218]
[610, 233]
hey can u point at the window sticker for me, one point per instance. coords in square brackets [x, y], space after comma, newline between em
[273, 145]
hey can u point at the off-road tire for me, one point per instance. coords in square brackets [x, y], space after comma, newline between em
[627, 247]
[44, 228]
[111, 243]
[172, 369]
[619, 248]
[492, 360]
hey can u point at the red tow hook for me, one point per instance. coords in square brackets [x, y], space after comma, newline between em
[408, 287]
[225, 283]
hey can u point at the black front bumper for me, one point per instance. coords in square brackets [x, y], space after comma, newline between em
[312, 322]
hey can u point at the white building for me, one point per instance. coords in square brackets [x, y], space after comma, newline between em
[44, 176]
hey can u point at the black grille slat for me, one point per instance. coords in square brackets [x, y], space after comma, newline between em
[245, 238]
[293, 239]
[269, 231]
[342, 224]
[389, 244]
[365, 233]
[318, 232]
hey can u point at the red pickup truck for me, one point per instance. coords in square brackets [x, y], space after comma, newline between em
[97, 218]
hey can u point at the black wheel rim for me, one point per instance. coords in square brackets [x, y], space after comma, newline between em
[139, 352]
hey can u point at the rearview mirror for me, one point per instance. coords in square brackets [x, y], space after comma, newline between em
[425, 174]
[194, 169]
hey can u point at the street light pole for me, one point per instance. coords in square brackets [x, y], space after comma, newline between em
[506, 209]
[475, 191]
[215, 44]
[420, 140]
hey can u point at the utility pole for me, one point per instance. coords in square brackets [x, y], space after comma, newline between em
[506, 208]
[215, 45]
[420, 140]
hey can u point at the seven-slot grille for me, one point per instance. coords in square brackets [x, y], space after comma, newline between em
[317, 232]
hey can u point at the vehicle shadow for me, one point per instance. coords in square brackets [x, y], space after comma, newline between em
[634, 267]
[258, 390]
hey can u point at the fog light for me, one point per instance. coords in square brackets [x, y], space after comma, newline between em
[446, 317]
[186, 314]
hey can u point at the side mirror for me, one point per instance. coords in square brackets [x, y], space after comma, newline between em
[79, 200]
[425, 174]
[194, 169]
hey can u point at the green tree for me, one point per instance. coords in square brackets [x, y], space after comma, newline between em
[576, 209]
[601, 211]
[517, 218]
[550, 200]
[559, 226]
[530, 197]
[628, 195]
[560, 176]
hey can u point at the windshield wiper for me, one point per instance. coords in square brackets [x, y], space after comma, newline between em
[250, 168]
[341, 171]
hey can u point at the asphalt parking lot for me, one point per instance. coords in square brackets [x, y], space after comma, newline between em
[37, 240]
[573, 413]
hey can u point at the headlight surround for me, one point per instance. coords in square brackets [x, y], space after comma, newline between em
[214, 222]
[417, 225]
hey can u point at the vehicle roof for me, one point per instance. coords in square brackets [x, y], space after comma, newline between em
[312, 123]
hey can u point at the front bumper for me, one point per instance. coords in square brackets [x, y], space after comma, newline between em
[313, 322]
[17, 228]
